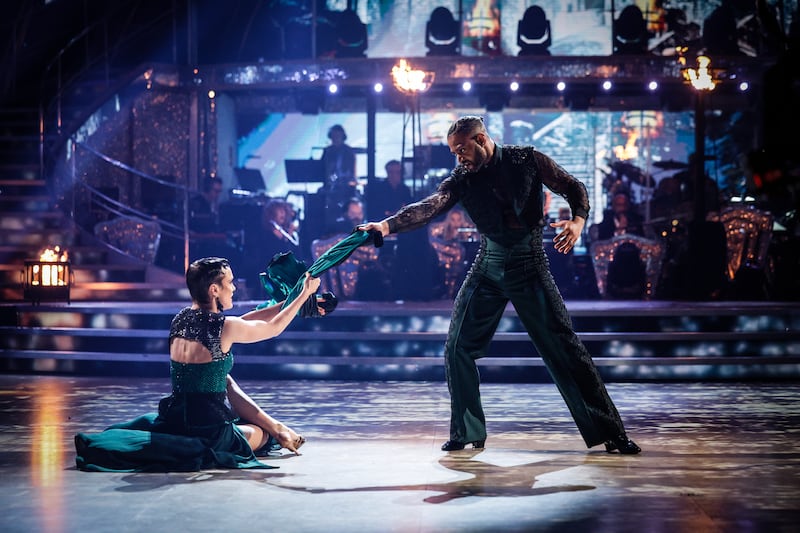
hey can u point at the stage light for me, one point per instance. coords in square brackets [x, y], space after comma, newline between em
[351, 35]
[514, 86]
[442, 33]
[744, 86]
[333, 88]
[653, 85]
[466, 86]
[212, 94]
[378, 87]
[560, 86]
[607, 85]
[629, 32]
[533, 33]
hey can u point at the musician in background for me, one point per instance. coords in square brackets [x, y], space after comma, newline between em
[385, 197]
[622, 218]
[626, 273]
[361, 275]
[352, 215]
[206, 236]
[279, 233]
[341, 183]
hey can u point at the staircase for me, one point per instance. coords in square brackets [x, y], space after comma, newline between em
[639, 340]
[32, 219]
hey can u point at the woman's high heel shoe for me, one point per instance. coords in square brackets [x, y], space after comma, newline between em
[622, 444]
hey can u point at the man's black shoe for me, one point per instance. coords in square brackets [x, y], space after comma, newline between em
[454, 445]
[622, 444]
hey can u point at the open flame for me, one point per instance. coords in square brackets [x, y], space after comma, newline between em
[702, 78]
[409, 80]
[50, 272]
[55, 255]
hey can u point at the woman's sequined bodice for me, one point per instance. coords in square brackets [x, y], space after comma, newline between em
[203, 327]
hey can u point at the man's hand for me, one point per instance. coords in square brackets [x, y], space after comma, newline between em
[570, 232]
[383, 227]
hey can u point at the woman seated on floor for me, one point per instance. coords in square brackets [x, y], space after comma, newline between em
[207, 421]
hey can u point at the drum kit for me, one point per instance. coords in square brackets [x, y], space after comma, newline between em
[623, 175]
[640, 186]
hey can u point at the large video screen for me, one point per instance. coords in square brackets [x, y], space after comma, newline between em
[637, 147]
[574, 27]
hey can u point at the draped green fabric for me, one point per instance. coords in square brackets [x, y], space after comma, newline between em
[284, 277]
[149, 443]
[335, 256]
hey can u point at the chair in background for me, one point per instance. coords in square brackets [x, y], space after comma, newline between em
[748, 234]
[442, 33]
[135, 237]
[533, 33]
[651, 254]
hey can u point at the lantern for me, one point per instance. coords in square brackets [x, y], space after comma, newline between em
[49, 278]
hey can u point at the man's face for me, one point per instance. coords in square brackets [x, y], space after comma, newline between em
[355, 213]
[619, 204]
[470, 150]
[394, 174]
[455, 218]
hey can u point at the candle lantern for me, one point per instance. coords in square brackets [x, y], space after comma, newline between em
[49, 278]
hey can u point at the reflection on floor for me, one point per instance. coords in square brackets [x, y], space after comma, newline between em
[717, 457]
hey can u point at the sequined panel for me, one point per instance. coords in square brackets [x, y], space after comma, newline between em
[748, 232]
[133, 236]
[650, 251]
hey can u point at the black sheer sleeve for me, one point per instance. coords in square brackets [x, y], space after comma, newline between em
[564, 184]
[416, 215]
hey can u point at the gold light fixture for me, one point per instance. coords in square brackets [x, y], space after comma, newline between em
[49, 278]
[411, 81]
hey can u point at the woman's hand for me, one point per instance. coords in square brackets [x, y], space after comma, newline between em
[288, 438]
[310, 285]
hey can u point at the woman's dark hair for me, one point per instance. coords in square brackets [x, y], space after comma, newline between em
[202, 274]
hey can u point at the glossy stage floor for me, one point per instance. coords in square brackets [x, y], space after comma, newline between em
[716, 457]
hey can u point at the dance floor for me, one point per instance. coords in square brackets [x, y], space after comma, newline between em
[718, 456]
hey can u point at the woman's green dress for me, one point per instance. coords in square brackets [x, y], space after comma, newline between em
[194, 428]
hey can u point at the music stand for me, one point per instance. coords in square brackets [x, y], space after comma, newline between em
[250, 179]
[304, 170]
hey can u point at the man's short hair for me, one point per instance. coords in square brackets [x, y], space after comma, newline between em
[468, 124]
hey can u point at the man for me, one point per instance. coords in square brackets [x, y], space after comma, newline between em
[339, 160]
[621, 219]
[207, 238]
[501, 190]
[352, 215]
[384, 197]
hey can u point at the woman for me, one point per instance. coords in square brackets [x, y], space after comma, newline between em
[195, 428]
